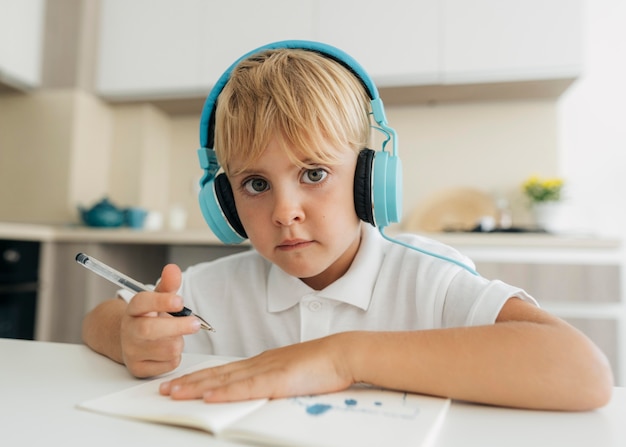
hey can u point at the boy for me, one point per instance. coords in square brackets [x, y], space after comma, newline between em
[324, 301]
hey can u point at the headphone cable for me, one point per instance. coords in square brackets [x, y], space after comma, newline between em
[429, 253]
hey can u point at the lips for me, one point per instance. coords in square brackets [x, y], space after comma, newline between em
[293, 244]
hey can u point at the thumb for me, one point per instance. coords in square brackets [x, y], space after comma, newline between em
[171, 278]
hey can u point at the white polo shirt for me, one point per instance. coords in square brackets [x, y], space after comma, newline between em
[255, 306]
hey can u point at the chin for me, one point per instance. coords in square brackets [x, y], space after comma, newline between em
[302, 272]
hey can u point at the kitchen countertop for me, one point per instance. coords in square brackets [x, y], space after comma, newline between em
[78, 233]
[526, 240]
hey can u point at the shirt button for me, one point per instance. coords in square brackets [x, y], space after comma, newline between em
[314, 306]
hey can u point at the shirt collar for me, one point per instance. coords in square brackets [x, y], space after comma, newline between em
[354, 288]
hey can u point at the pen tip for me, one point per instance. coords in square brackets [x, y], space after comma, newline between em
[204, 324]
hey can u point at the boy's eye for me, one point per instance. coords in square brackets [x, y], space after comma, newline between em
[314, 175]
[255, 185]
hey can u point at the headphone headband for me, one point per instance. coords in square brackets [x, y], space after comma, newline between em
[207, 119]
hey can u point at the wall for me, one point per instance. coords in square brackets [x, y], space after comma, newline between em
[591, 123]
[141, 157]
[492, 146]
[54, 152]
[65, 148]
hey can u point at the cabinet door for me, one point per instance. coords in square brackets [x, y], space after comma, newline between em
[21, 37]
[150, 46]
[161, 48]
[396, 41]
[238, 26]
[510, 40]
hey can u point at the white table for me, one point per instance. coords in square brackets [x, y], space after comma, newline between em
[41, 382]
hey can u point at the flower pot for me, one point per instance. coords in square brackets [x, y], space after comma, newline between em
[546, 215]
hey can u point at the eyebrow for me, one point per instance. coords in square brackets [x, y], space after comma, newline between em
[309, 162]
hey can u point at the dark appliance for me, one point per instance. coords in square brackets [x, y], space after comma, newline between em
[19, 268]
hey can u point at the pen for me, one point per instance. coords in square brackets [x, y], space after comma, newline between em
[130, 284]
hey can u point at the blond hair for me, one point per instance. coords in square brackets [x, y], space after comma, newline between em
[299, 96]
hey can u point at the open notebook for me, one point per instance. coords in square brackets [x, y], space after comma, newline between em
[361, 415]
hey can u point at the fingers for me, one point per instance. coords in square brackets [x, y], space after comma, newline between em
[171, 278]
[163, 299]
[152, 302]
[234, 381]
[149, 359]
[152, 346]
[146, 306]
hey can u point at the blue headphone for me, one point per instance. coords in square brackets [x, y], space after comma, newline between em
[378, 177]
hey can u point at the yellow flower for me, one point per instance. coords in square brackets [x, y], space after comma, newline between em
[543, 190]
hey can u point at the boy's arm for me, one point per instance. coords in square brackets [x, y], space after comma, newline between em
[527, 359]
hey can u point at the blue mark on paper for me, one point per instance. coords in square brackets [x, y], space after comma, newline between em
[317, 409]
[391, 406]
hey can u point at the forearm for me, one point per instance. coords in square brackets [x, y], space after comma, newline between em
[101, 329]
[516, 364]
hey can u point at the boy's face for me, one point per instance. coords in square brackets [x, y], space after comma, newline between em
[302, 220]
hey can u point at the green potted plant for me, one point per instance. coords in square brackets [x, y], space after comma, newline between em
[544, 195]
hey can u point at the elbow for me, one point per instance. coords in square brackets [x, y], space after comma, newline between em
[578, 376]
[598, 388]
[592, 386]
[596, 396]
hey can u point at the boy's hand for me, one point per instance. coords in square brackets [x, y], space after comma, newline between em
[312, 367]
[152, 340]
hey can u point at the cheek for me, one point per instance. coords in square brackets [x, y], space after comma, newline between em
[248, 214]
[344, 202]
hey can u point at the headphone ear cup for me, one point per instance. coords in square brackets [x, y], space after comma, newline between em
[224, 193]
[363, 186]
[386, 189]
[218, 209]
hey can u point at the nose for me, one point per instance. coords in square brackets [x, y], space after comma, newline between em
[287, 208]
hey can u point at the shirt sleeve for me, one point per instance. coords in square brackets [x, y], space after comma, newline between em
[124, 294]
[473, 300]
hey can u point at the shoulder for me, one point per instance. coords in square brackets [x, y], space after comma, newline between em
[444, 281]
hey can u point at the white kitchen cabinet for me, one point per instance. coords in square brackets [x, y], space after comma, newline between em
[510, 40]
[155, 49]
[149, 46]
[397, 42]
[238, 26]
[21, 40]
[164, 48]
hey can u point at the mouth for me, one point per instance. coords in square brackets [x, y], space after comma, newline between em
[293, 244]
